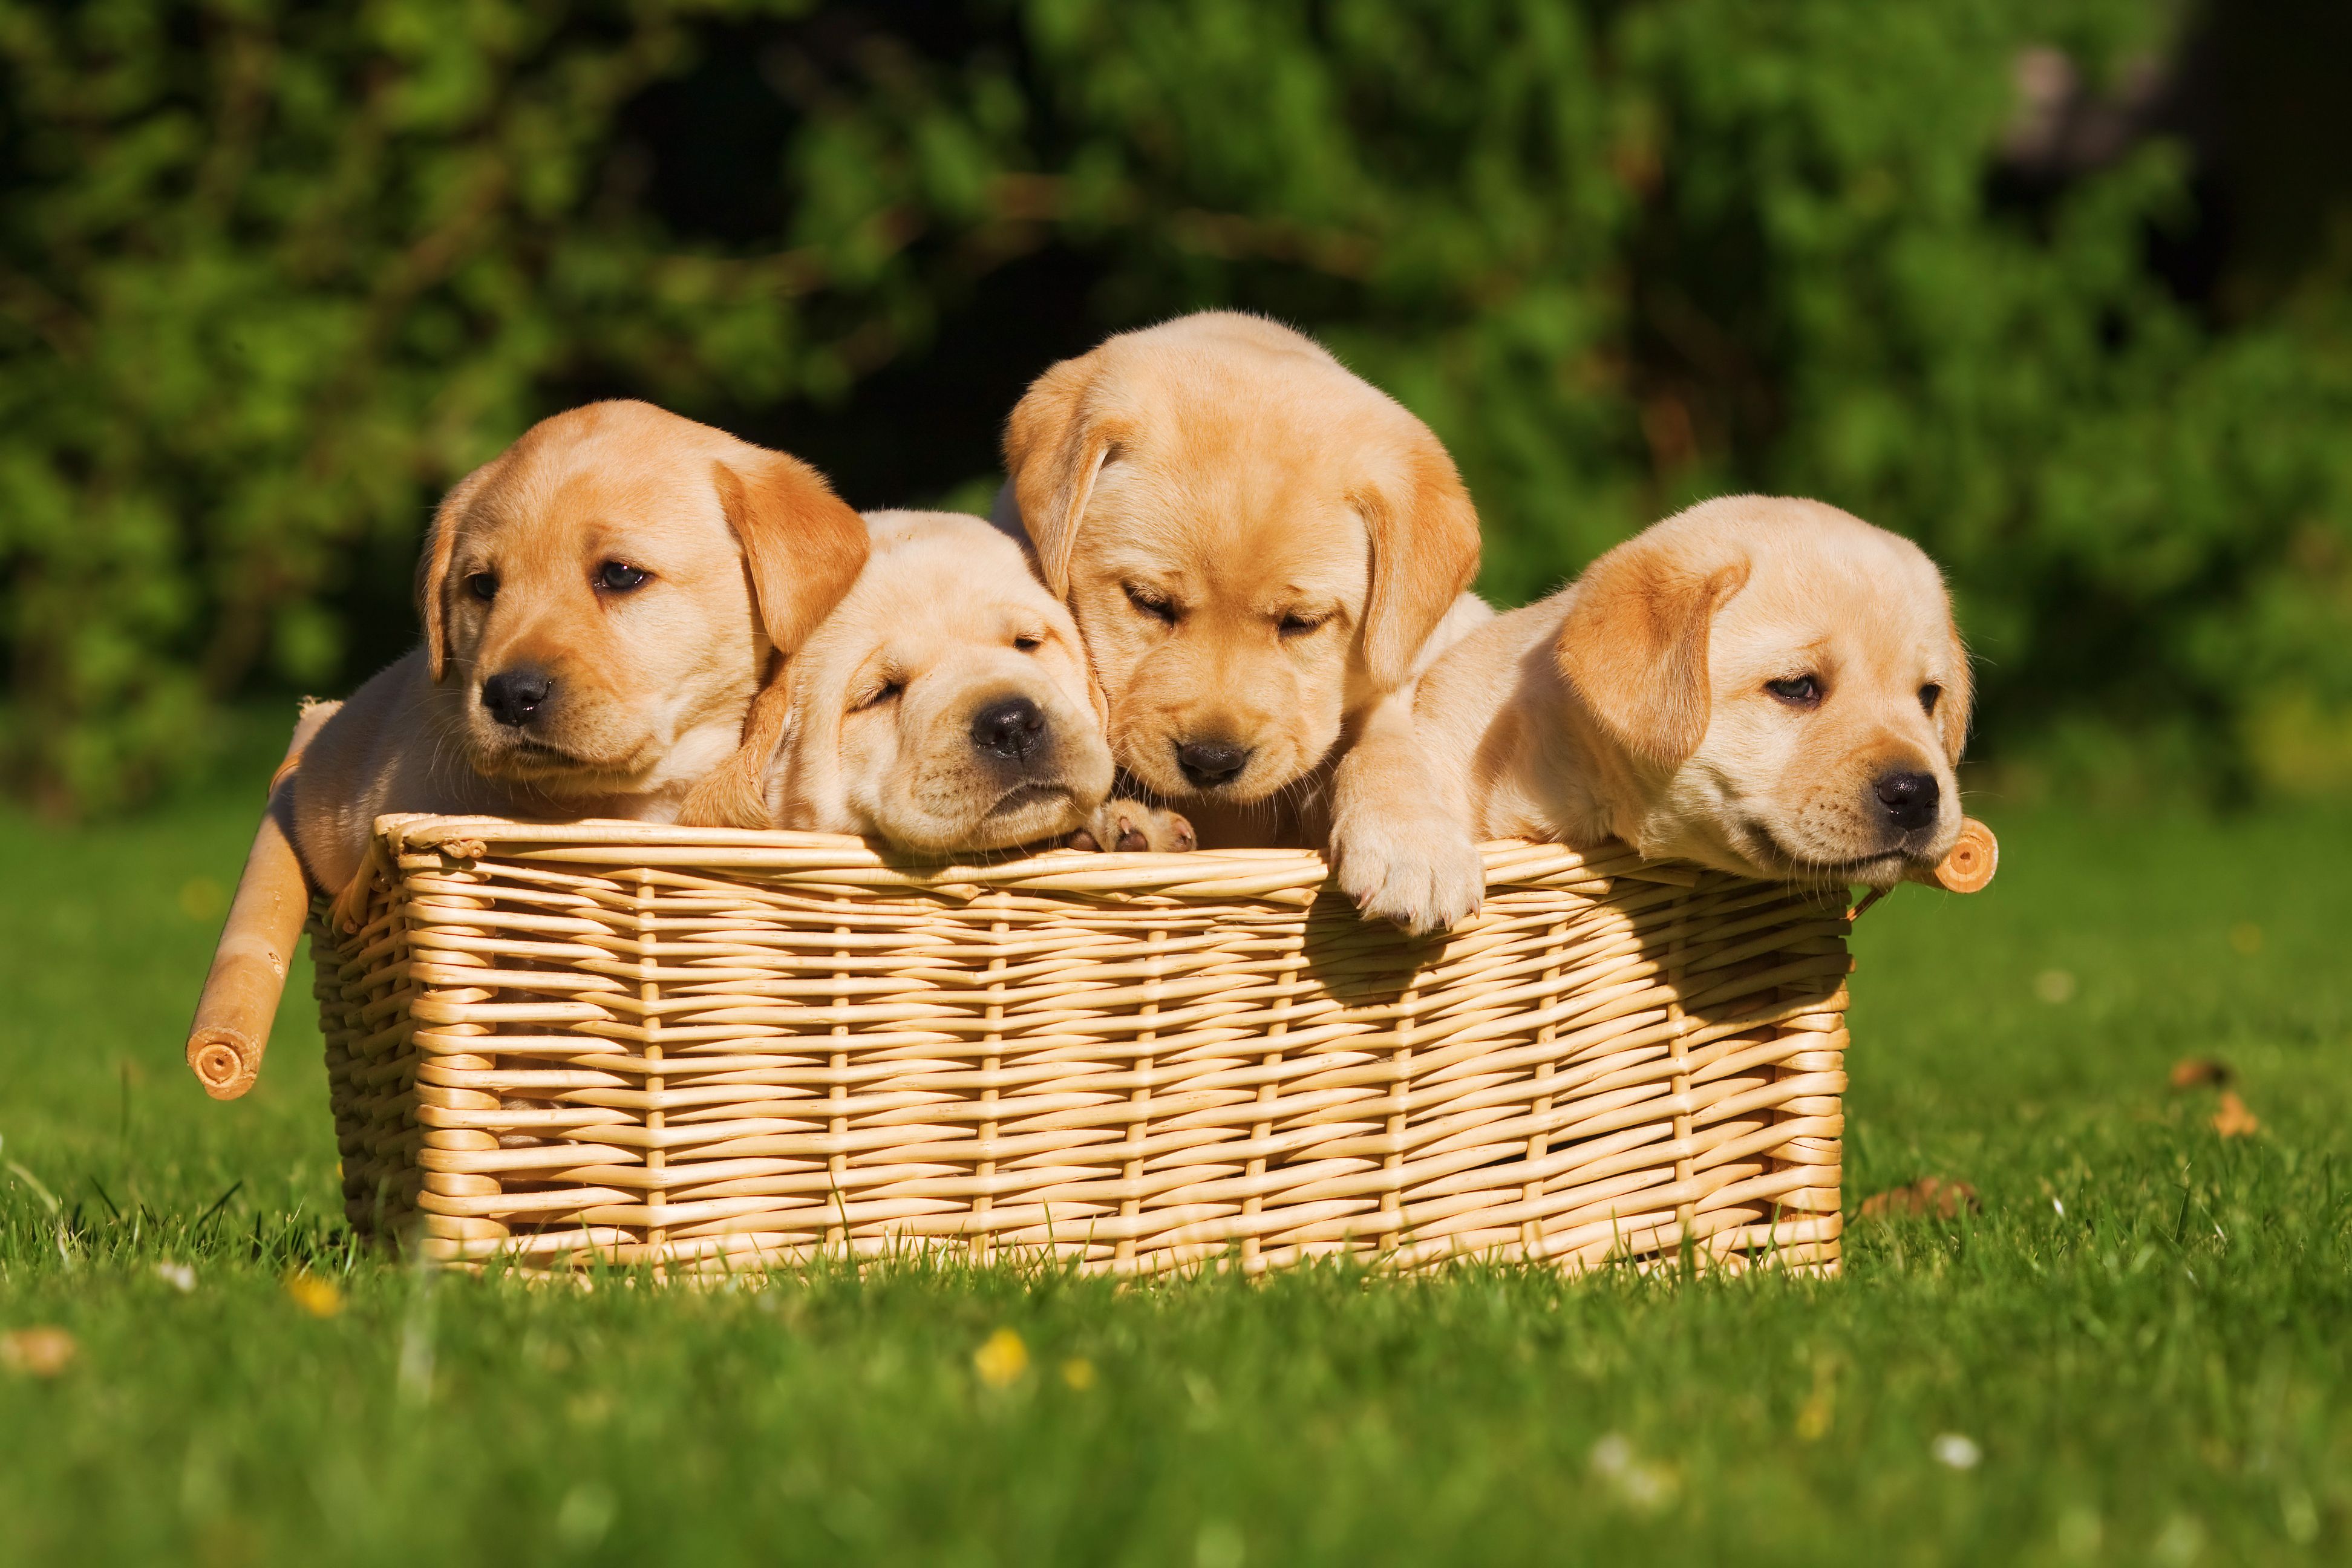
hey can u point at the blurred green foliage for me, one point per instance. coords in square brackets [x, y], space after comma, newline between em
[272, 275]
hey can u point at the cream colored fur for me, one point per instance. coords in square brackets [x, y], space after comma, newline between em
[746, 549]
[1637, 703]
[889, 697]
[1257, 546]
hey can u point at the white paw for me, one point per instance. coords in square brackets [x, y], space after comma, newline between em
[1417, 868]
[1131, 827]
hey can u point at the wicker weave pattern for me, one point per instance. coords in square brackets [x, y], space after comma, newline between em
[711, 1049]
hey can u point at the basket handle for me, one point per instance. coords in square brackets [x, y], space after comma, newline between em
[256, 943]
[1970, 864]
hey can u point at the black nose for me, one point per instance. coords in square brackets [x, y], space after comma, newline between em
[1909, 799]
[1011, 729]
[512, 696]
[1208, 763]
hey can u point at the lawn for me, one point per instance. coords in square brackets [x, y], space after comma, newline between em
[2138, 1352]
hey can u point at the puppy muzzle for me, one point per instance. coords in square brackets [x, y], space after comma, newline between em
[529, 725]
[1018, 747]
[1012, 731]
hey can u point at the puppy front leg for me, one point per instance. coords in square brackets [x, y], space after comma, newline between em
[1400, 844]
[1132, 828]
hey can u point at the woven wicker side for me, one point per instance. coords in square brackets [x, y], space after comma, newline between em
[364, 989]
[704, 1051]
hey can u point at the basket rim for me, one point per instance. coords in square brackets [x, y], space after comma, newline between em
[1212, 873]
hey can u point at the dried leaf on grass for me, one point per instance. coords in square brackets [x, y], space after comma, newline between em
[1929, 1196]
[2234, 1119]
[2201, 1072]
[42, 1352]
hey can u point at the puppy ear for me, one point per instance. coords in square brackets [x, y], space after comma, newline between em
[1055, 448]
[735, 793]
[1424, 538]
[1095, 695]
[1954, 708]
[803, 547]
[1633, 645]
[433, 564]
[802, 544]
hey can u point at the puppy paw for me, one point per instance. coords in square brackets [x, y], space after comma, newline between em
[1132, 828]
[1417, 868]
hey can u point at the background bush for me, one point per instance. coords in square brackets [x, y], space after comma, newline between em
[272, 275]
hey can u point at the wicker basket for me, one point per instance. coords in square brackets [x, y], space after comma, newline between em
[709, 1050]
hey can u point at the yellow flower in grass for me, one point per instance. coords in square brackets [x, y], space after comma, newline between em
[320, 1298]
[1000, 1361]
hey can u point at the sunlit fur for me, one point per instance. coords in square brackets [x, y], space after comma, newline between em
[1233, 470]
[745, 548]
[939, 614]
[1634, 703]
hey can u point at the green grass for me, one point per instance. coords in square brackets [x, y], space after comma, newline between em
[2144, 1332]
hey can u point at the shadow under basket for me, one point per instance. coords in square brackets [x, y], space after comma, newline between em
[714, 1050]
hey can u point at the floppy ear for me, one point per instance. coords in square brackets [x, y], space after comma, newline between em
[1958, 701]
[802, 545]
[1424, 538]
[433, 565]
[735, 793]
[1095, 695]
[1053, 449]
[1635, 644]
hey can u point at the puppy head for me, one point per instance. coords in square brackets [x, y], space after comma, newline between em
[1255, 542]
[945, 704]
[1773, 688]
[603, 598]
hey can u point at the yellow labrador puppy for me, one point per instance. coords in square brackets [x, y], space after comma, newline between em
[600, 603]
[946, 705]
[1259, 547]
[1769, 687]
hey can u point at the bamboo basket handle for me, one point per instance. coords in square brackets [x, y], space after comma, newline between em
[1970, 865]
[256, 943]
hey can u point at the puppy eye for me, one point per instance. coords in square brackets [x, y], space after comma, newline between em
[1928, 694]
[1151, 604]
[1798, 691]
[620, 577]
[1028, 643]
[483, 586]
[1294, 625]
[887, 693]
